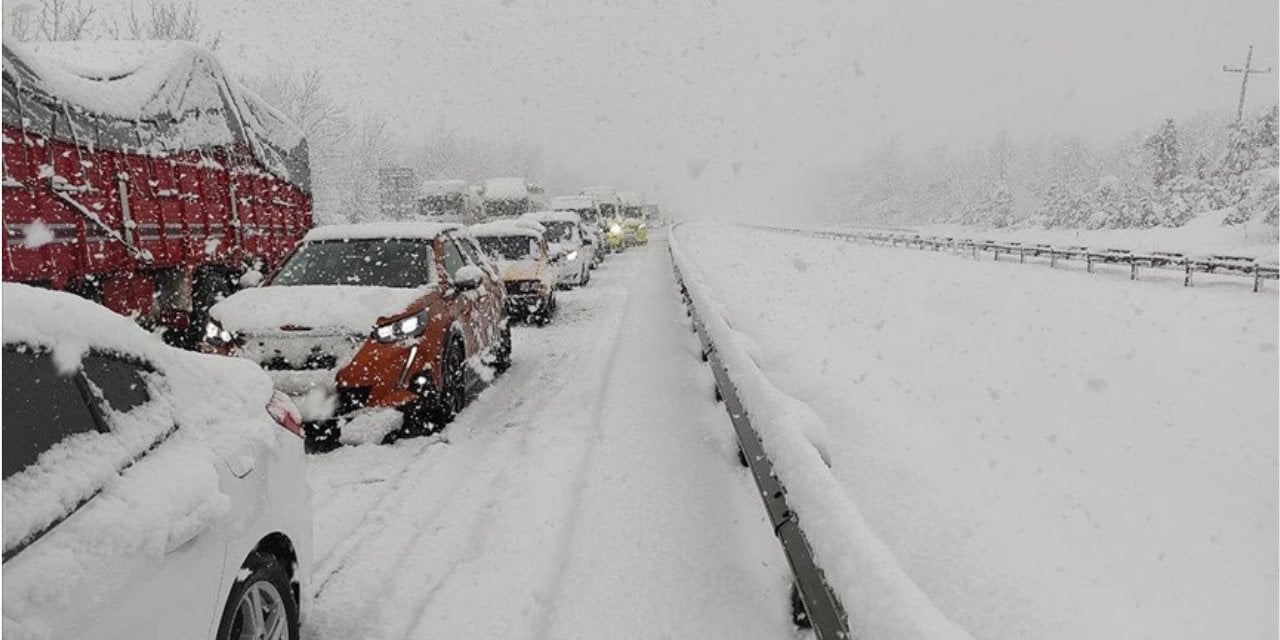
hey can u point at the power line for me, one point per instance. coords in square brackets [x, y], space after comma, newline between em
[1244, 83]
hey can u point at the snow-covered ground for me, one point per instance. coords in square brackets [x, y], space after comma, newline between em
[1047, 455]
[590, 492]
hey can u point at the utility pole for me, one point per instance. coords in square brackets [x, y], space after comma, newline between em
[1244, 83]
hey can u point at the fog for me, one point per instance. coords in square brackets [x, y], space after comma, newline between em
[744, 107]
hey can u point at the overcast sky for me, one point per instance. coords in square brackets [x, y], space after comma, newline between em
[753, 93]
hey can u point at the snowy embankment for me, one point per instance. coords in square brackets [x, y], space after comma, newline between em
[1045, 455]
[881, 600]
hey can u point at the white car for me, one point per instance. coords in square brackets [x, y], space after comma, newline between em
[148, 492]
[568, 243]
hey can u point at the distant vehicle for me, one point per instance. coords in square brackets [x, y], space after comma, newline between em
[588, 209]
[450, 201]
[632, 205]
[378, 315]
[635, 232]
[652, 211]
[610, 206]
[396, 193]
[526, 265]
[569, 243]
[148, 492]
[510, 197]
[150, 200]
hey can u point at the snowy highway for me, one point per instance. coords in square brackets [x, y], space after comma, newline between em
[591, 492]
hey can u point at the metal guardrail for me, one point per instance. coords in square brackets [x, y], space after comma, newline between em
[1164, 260]
[825, 613]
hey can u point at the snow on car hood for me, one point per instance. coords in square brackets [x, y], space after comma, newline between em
[339, 308]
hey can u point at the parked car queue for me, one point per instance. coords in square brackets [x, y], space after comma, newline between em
[153, 492]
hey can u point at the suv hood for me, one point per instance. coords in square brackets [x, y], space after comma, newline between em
[321, 308]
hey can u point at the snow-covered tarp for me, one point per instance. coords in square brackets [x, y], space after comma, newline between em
[150, 98]
[381, 230]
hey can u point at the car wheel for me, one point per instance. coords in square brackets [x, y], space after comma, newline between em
[502, 358]
[261, 604]
[453, 388]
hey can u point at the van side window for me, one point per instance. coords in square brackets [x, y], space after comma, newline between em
[120, 381]
[453, 258]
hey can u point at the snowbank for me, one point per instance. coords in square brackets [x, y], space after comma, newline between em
[1047, 456]
[881, 599]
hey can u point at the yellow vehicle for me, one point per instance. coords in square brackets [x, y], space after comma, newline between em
[613, 236]
[634, 232]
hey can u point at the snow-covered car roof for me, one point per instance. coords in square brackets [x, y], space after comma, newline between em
[574, 203]
[506, 188]
[146, 97]
[381, 230]
[504, 228]
[552, 216]
[443, 187]
[598, 191]
[631, 198]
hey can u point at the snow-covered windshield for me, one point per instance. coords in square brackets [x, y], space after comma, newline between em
[442, 205]
[510, 247]
[506, 208]
[401, 264]
[559, 231]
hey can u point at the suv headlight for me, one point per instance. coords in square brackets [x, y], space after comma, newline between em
[406, 327]
[215, 335]
[573, 255]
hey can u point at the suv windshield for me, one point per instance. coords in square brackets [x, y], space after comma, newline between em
[441, 205]
[559, 231]
[400, 264]
[510, 247]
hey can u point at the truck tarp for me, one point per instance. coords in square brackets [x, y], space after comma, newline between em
[148, 98]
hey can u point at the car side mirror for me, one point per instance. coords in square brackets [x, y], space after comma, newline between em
[468, 277]
[250, 279]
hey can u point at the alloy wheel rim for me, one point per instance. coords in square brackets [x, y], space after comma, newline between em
[261, 614]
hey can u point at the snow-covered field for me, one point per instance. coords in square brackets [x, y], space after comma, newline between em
[1048, 455]
[590, 492]
[1202, 236]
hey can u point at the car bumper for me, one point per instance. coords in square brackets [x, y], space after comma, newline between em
[525, 305]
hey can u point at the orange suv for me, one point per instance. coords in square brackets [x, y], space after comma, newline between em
[403, 315]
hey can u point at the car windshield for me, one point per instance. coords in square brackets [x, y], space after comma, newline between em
[441, 205]
[608, 210]
[510, 247]
[559, 231]
[588, 215]
[400, 264]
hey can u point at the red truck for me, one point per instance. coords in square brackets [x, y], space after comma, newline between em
[141, 176]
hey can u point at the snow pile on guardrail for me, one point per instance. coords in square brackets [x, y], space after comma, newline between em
[882, 601]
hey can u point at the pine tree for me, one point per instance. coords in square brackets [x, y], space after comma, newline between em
[1163, 145]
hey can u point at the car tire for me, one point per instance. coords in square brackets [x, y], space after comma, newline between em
[267, 587]
[453, 385]
[502, 357]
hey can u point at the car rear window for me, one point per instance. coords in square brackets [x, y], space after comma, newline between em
[42, 407]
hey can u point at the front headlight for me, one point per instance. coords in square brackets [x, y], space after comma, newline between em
[613, 228]
[406, 327]
[215, 335]
[573, 255]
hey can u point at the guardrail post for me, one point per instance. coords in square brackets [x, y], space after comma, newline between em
[1053, 259]
[1088, 261]
[996, 251]
[1257, 278]
[1186, 280]
[1133, 269]
[1022, 255]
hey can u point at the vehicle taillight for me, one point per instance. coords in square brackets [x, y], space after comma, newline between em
[285, 413]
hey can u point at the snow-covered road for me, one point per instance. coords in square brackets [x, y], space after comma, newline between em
[1048, 455]
[591, 492]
